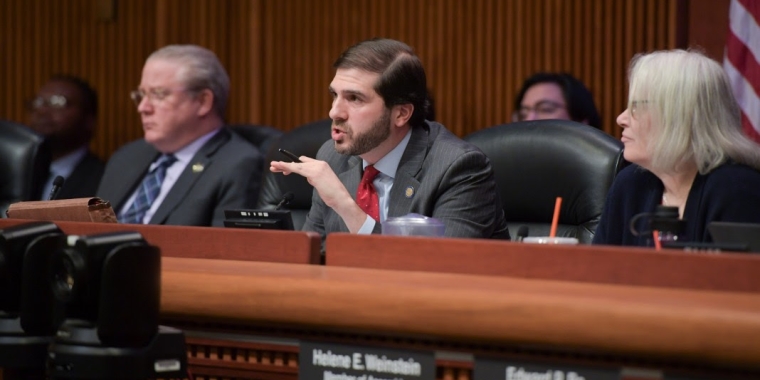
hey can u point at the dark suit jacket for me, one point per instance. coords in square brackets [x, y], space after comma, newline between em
[449, 179]
[83, 181]
[224, 174]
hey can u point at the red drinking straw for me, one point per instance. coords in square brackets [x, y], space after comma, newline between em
[656, 237]
[555, 219]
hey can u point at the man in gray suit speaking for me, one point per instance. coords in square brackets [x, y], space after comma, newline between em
[386, 160]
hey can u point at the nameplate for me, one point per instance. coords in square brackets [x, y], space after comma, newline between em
[488, 369]
[327, 361]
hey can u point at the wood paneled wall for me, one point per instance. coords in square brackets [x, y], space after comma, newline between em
[279, 52]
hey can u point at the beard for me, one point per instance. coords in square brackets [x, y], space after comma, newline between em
[364, 142]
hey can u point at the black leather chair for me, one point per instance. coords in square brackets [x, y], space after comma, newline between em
[24, 164]
[303, 141]
[536, 161]
[261, 136]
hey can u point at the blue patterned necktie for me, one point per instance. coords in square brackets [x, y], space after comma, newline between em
[148, 191]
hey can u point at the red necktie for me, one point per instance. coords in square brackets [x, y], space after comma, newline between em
[366, 196]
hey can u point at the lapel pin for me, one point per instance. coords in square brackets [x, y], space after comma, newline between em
[197, 168]
[409, 192]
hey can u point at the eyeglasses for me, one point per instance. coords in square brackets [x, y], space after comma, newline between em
[153, 95]
[52, 101]
[637, 106]
[543, 109]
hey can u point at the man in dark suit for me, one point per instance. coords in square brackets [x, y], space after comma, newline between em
[65, 111]
[189, 167]
[379, 102]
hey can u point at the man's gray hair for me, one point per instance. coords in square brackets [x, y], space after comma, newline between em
[200, 69]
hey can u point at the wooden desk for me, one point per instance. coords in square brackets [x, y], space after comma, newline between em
[244, 319]
[583, 263]
[685, 330]
[210, 242]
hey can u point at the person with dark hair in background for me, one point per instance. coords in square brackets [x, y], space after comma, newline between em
[189, 167]
[682, 132]
[385, 160]
[65, 111]
[556, 96]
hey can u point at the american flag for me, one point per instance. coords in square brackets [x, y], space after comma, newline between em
[742, 61]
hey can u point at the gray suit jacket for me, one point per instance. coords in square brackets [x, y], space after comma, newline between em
[224, 174]
[439, 176]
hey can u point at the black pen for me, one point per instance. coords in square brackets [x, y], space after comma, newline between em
[290, 155]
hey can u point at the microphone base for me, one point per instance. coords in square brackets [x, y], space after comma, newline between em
[21, 356]
[84, 357]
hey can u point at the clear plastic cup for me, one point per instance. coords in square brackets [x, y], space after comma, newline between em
[550, 240]
[413, 225]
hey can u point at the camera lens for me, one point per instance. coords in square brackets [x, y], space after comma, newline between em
[67, 274]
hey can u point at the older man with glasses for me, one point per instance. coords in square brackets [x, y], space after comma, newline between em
[189, 167]
[65, 111]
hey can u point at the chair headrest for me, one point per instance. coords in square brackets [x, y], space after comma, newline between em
[303, 141]
[24, 164]
[261, 136]
[536, 161]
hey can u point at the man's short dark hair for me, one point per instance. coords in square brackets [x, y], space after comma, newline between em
[402, 77]
[89, 95]
[578, 99]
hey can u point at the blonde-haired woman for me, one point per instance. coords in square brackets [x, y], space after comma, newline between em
[682, 132]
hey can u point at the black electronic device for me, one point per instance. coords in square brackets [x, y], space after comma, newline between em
[747, 234]
[289, 154]
[29, 317]
[110, 286]
[57, 185]
[259, 219]
[78, 354]
[273, 219]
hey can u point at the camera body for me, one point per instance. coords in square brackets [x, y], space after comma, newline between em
[14, 258]
[29, 315]
[111, 282]
[76, 307]
[110, 285]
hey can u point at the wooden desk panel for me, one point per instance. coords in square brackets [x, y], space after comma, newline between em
[210, 242]
[583, 263]
[684, 326]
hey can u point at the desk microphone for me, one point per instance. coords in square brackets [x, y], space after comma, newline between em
[286, 198]
[522, 232]
[57, 184]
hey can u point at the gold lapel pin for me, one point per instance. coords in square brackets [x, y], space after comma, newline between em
[197, 168]
[409, 192]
